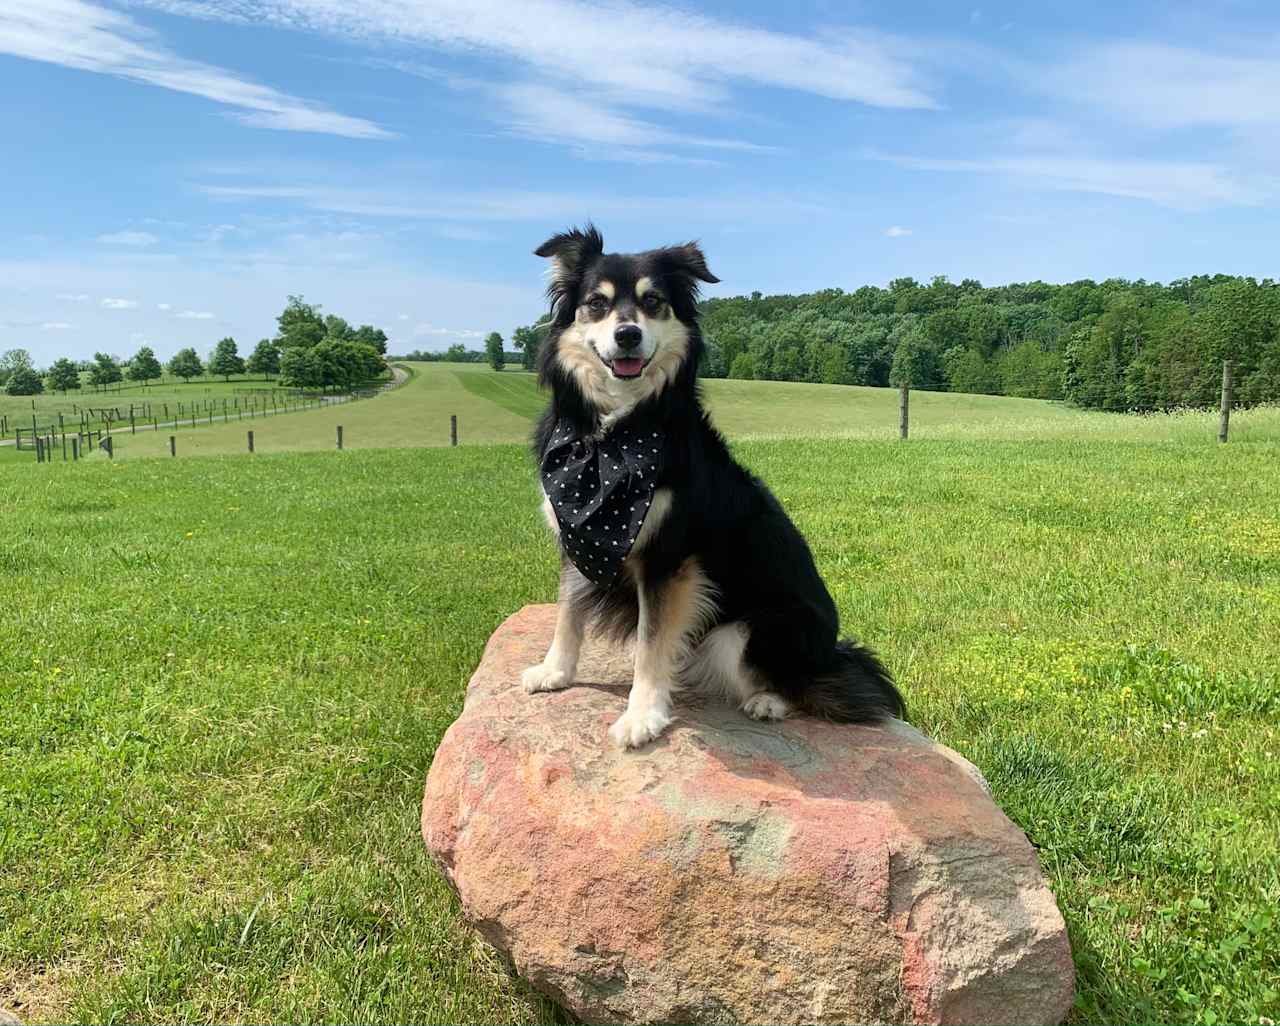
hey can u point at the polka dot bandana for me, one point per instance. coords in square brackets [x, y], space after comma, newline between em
[601, 489]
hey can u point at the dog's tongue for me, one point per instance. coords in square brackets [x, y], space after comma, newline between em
[627, 366]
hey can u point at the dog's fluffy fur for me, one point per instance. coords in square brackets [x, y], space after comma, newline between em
[720, 586]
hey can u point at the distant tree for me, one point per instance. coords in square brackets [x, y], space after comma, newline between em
[299, 367]
[528, 340]
[744, 367]
[299, 325]
[226, 359]
[265, 359]
[371, 336]
[456, 353]
[105, 370]
[63, 375]
[186, 365]
[337, 328]
[493, 350]
[13, 360]
[24, 381]
[144, 366]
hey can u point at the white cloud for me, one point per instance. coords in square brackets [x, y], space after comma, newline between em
[1167, 87]
[129, 239]
[403, 317]
[522, 205]
[73, 297]
[643, 54]
[430, 329]
[1183, 185]
[195, 315]
[55, 326]
[83, 35]
[896, 231]
[164, 306]
[547, 114]
[119, 304]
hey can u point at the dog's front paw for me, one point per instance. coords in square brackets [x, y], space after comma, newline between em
[765, 705]
[637, 727]
[544, 678]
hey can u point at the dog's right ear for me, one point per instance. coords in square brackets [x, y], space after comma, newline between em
[570, 252]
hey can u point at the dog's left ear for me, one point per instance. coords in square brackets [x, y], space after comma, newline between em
[688, 260]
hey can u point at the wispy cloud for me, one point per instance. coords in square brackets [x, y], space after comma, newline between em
[73, 297]
[119, 304]
[1182, 185]
[127, 238]
[664, 55]
[896, 231]
[195, 315]
[83, 35]
[56, 326]
[164, 306]
[431, 329]
[456, 206]
[548, 114]
[1165, 87]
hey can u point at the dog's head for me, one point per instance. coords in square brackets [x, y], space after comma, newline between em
[623, 323]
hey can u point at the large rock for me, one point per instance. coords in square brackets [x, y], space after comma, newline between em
[734, 871]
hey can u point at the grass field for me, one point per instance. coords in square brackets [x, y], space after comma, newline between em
[47, 406]
[224, 680]
[500, 407]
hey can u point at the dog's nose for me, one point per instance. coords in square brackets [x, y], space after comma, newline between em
[627, 335]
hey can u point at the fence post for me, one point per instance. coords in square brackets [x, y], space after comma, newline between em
[904, 399]
[1224, 420]
[453, 429]
[339, 437]
[109, 444]
[251, 441]
[173, 445]
[39, 450]
[133, 427]
[64, 447]
[75, 448]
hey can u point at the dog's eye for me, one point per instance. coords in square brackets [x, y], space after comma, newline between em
[651, 302]
[597, 304]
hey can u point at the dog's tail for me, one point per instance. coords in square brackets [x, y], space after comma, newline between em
[857, 688]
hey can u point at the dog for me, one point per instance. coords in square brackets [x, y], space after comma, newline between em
[663, 535]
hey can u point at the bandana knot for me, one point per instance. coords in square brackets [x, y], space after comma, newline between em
[600, 488]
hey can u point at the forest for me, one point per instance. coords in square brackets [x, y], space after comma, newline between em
[1112, 345]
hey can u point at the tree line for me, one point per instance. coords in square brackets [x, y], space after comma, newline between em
[1111, 345]
[308, 351]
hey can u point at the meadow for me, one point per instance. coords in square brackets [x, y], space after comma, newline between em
[500, 407]
[46, 406]
[224, 680]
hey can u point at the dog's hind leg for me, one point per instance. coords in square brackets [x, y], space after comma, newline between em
[672, 613]
[560, 664]
[720, 662]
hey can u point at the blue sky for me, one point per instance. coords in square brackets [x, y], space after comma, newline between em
[173, 169]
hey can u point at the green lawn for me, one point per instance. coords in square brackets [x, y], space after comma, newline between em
[500, 407]
[224, 680]
[172, 391]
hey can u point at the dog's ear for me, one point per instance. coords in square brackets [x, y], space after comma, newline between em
[688, 260]
[573, 248]
[570, 252]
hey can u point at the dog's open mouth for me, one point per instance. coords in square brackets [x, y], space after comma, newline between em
[626, 366]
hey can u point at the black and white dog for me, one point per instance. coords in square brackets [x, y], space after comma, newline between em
[662, 534]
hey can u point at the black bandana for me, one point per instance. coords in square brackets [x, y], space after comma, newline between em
[601, 489]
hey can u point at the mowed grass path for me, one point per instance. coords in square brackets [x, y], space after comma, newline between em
[224, 679]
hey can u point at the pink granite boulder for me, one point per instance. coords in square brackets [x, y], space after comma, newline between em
[734, 871]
